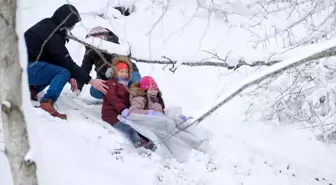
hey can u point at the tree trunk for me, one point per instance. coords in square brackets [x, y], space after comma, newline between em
[14, 124]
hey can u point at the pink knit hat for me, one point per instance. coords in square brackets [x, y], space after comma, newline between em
[147, 82]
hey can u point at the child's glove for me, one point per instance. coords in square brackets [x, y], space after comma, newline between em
[125, 113]
[158, 113]
[154, 113]
[150, 112]
[183, 117]
[109, 72]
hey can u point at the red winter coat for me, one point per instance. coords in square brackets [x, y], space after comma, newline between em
[115, 101]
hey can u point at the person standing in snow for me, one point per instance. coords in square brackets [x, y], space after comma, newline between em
[116, 102]
[49, 62]
[91, 58]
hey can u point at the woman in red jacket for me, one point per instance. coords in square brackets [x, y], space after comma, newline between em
[116, 101]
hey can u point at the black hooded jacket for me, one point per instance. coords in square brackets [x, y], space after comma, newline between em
[46, 42]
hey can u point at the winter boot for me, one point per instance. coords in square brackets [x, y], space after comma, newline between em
[48, 106]
[151, 146]
[141, 142]
[33, 93]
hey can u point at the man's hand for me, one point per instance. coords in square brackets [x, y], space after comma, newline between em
[75, 94]
[73, 83]
[99, 85]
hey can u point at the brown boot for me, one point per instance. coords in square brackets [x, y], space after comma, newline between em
[33, 94]
[48, 106]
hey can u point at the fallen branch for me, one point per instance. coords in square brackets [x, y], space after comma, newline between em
[168, 61]
[272, 71]
[204, 63]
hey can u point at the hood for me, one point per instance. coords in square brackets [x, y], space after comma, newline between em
[66, 16]
[127, 61]
[136, 91]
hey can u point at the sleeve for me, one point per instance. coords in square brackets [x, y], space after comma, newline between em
[157, 107]
[86, 66]
[135, 77]
[61, 57]
[87, 63]
[137, 106]
[112, 98]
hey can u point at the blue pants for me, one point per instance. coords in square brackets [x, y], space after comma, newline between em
[42, 74]
[130, 133]
[99, 95]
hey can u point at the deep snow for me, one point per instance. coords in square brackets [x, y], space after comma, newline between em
[79, 151]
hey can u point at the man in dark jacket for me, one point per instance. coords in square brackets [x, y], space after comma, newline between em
[49, 62]
[91, 58]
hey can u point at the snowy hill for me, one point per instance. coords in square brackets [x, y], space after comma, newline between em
[82, 151]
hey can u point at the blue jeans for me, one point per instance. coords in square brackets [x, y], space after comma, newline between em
[99, 95]
[42, 74]
[135, 77]
[95, 93]
[130, 133]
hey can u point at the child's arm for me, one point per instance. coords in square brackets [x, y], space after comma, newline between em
[138, 105]
[111, 97]
[157, 107]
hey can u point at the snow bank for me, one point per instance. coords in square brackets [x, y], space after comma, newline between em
[79, 151]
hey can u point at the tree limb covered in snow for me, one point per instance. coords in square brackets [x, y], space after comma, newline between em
[314, 18]
[273, 70]
[204, 62]
[168, 61]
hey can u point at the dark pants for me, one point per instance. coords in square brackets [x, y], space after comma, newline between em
[130, 133]
[42, 74]
[99, 95]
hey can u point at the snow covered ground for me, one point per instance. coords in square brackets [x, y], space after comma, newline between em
[80, 151]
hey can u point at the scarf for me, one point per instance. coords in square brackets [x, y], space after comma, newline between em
[123, 81]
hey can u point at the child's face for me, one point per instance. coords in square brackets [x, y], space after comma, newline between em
[123, 73]
[152, 92]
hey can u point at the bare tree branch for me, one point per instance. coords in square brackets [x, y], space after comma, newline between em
[257, 78]
[201, 63]
[312, 18]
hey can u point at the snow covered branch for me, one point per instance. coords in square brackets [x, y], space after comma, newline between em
[221, 62]
[328, 49]
[303, 22]
[205, 63]
[202, 63]
[304, 95]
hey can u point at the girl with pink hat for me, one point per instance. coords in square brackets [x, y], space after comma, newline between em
[147, 109]
[146, 98]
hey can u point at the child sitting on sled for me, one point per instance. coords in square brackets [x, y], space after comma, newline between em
[116, 101]
[146, 98]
